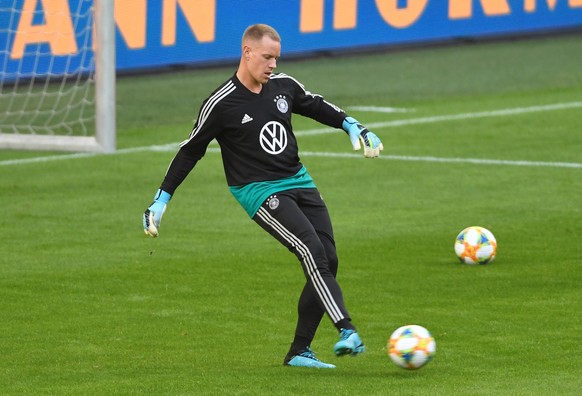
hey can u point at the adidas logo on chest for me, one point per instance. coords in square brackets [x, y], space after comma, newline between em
[246, 118]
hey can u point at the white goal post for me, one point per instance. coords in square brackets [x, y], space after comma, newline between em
[53, 98]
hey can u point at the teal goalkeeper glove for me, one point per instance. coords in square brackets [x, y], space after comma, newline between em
[358, 133]
[152, 217]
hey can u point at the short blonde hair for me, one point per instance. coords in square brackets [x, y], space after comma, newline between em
[258, 31]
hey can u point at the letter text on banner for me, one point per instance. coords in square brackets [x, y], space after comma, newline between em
[463, 9]
[57, 31]
[345, 14]
[530, 5]
[311, 18]
[401, 17]
[131, 19]
[200, 15]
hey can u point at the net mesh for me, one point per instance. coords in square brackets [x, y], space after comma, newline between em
[47, 68]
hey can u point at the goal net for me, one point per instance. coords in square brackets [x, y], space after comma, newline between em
[57, 75]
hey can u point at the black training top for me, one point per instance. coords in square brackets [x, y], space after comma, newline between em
[253, 130]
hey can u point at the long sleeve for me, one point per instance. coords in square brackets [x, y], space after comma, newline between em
[316, 107]
[179, 168]
[205, 129]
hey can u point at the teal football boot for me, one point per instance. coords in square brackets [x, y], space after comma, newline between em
[308, 359]
[350, 343]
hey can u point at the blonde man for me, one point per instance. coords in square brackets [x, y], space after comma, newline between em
[250, 117]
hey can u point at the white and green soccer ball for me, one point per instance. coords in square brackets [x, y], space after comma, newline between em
[411, 347]
[475, 245]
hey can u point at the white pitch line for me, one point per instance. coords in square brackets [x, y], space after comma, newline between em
[385, 124]
[453, 117]
[378, 109]
[165, 147]
[481, 161]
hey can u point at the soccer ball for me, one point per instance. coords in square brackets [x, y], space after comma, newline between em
[411, 347]
[476, 245]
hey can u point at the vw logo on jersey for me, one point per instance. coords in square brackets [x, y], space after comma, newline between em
[273, 137]
[282, 104]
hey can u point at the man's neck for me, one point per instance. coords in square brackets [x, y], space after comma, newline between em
[251, 84]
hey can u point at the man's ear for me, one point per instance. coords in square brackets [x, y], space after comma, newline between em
[247, 52]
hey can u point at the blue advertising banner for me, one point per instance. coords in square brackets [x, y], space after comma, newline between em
[157, 33]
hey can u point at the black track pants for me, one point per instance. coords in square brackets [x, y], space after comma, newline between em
[300, 221]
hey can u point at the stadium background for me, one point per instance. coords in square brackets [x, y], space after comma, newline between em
[212, 33]
[491, 136]
[156, 33]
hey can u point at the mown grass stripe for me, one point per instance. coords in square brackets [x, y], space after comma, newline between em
[376, 125]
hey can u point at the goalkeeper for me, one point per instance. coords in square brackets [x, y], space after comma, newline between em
[250, 117]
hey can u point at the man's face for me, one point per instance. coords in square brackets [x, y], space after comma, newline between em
[262, 58]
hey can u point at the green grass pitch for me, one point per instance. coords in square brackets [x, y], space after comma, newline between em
[492, 137]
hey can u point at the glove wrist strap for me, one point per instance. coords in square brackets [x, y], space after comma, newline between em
[349, 123]
[162, 196]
